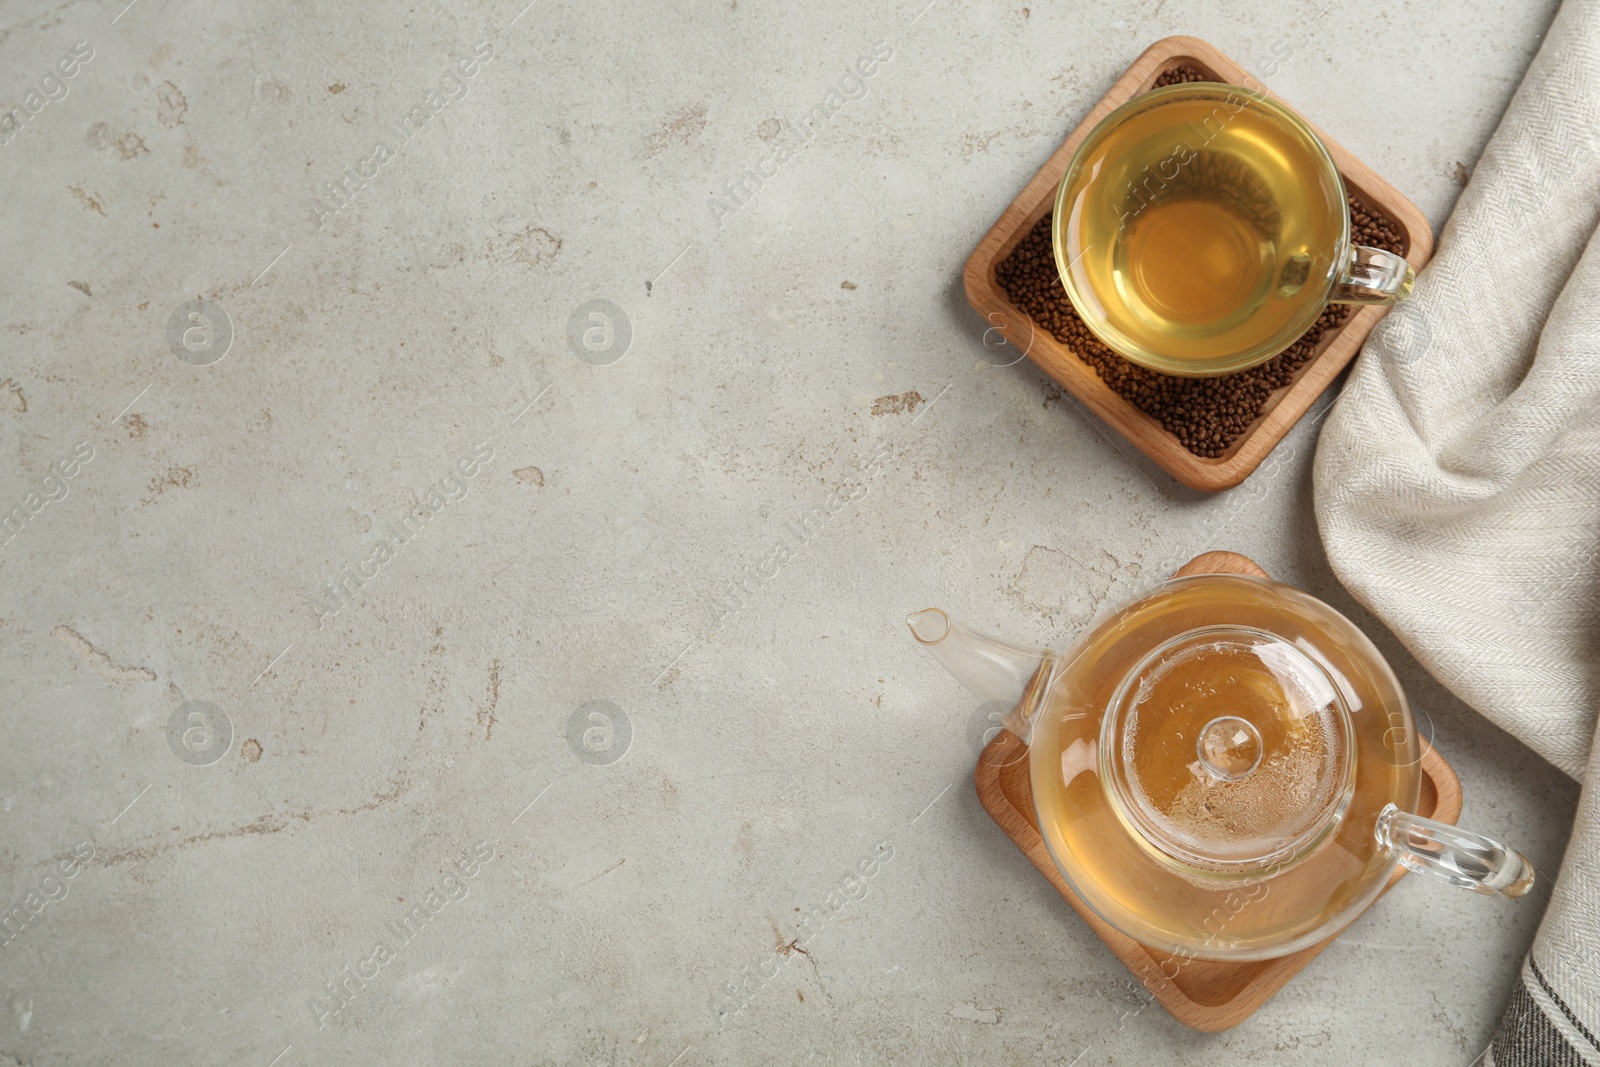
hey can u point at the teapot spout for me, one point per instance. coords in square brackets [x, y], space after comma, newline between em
[996, 672]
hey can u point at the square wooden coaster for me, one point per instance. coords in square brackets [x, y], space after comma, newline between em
[1281, 410]
[1202, 994]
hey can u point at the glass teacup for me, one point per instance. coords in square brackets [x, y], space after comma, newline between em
[1201, 229]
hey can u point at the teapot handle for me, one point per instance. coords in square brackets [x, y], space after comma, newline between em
[1460, 857]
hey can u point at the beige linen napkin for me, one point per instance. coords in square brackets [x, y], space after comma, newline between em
[1458, 486]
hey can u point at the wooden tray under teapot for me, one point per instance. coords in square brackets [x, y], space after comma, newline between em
[1202, 994]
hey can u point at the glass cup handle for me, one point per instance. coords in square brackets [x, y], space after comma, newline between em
[1460, 857]
[1373, 276]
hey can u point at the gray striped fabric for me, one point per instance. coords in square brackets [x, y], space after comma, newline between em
[1540, 1029]
[1458, 486]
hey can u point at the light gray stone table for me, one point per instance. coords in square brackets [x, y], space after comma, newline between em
[255, 783]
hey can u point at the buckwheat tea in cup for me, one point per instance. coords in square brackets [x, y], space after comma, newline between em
[1200, 229]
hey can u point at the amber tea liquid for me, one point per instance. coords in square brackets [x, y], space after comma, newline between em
[1282, 768]
[1193, 229]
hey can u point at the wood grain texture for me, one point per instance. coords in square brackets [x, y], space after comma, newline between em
[1201, 994]
[1284, 408]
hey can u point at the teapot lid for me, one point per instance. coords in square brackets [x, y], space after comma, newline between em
[1228, 751]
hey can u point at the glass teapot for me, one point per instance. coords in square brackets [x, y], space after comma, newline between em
[1225, 768]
